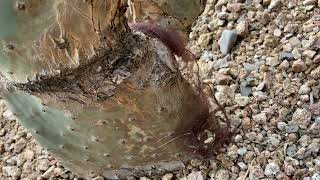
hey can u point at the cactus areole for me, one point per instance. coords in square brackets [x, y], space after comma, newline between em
[102, 99]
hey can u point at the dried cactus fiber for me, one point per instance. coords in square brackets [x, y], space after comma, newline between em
[116, 106]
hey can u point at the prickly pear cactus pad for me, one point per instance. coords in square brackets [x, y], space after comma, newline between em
[98, 96]
[146, 118]
[45, 37]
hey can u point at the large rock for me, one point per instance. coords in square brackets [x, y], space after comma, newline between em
[227, 41]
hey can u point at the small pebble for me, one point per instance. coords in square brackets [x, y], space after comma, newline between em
[274, 4]
[20, 145]
[195, 176]
[277, 32]
[316, 59]
[286, 56]
[260, 118]
[242, 166]
[227, 41]
[271, 170]
[309, 53]
[298, 66]
[167, 176]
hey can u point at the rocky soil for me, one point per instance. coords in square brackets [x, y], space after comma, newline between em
[263, 57]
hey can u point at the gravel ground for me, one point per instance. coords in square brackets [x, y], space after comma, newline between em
[263, 56]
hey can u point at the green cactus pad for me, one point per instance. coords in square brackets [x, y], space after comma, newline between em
[45, 37]
[185, 10]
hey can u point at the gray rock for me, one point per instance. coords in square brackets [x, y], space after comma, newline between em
[304, 89]
[251, 136]
[309, 2]
[286, 47]
[302, 118]
[241, 101]
[316, 176]
[260, 118]
[262, 86]
[20, 145]
[207, 56]
[222, 174]
[291, 161]
[8, 115]
[248, 2]
[315, 127]
[289, 170]
[204, 40]
[315, 73]
[292, 128]
[242, 166]
[272, 61]
[250, 67]
[221, 63]
[12, 171]
[168, 176]
[28, 155]
[222, 15]
[219, 4]
[309, 53]
[256, 173]
[301, 153]
[296, 53]
[242, 151]
[274, 4]
[271, 170]
[260, 96]
[227, 41]
[43, 164]
[245, 90]
[314, 147]
[102, 178]
[195, 176]
[12, 161]
[232, 152]
[225, 94]
[282, 126]
[286, 56]
[274, 140]
[316, 59]
[284, 65]
[291, 28]
[215, 23]
[277, 32]
[295, 42]
[238, 138]
[281, 20]
[292, 150]
[243, 28]
[305, 140]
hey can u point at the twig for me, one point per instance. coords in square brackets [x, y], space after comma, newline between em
[174, 139]
[248, 170]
